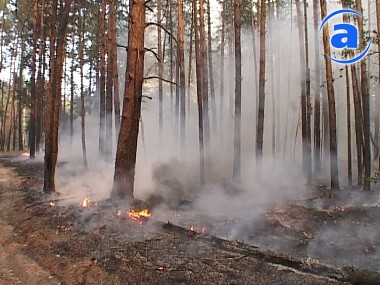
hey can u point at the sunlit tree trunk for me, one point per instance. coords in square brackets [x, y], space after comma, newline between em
[125, 163]
[331, 100]
[54, 97]
[377, 111]
[237, 119]
[72, 86]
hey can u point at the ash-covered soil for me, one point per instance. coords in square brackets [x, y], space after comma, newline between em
[43, 244]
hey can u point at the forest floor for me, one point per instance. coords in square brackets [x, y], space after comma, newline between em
[45, 244]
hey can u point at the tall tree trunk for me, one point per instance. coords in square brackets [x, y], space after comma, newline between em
[109, 87]
[305, 87]
[72, 88]
[331, 100]
[365, 102]
[222, 69]
[199, 70]
[40, 78]
[211, 70]
[57, 53]
[261, 106]
[129, 127]
[160, 72]
[182, 78]
[32, 133]
[102, 67]
[377, 111]
[20, 97]
[317, 92]
[349, 157]
[237, 120]
[82, 106]
[116, 95]
[358, 123]
[203, 45]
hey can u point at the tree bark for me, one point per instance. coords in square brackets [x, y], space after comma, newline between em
[125, 163]
[331, 100]
[317, 93]
[109, 86]
[160, 72]
[377, 111]
[261, 107]
[102, 67]
[211, 70]
[182, 78]
[238, 79]
[198, 69]
[57, 52]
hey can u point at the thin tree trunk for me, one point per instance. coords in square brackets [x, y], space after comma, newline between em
[358, 123]
[20, 96]
[160, 72]
[125, 163]
[222, 69]
[198, 69]
[203, 45]
[40, 79]
[377, 110]
[82, 106]
[238, 79]
[317, 92]
[211, 70]
[182, 77]
[72, 88]
[102, 107]
[261, 106]
[32, 133]
[109, 86]
[349, 157]
[331, 100]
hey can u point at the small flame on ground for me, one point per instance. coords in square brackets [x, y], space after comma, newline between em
[191, 228]
[51, 204]
[118, 213]
[137, 215]
[85, 203]
[25, 154]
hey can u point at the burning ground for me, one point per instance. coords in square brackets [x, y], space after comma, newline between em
[45, 241]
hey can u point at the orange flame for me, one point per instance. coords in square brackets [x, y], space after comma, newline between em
[191, 228]
[51, 204]
[85, 203]
[137, 215]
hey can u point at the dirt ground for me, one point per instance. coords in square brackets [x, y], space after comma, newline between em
[40, 244]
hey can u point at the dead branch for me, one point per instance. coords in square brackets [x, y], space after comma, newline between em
[154, 53]
[122, 46]
[163, 79]
[163, 28]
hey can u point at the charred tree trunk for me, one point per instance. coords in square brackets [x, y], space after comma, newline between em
[72, 88]
[261, 106]
[125, 163]
[237, 120]
[331, 100]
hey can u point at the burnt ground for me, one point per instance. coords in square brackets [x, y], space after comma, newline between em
[40, 244]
